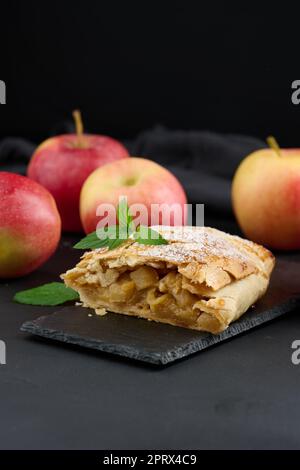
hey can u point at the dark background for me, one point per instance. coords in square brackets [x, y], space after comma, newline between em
[130, 65]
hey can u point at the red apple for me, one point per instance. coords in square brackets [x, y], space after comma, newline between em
[30, 225]
[63, 163]
[266, 197]
[142, 182]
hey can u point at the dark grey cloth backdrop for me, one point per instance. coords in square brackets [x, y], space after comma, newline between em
[203, 161]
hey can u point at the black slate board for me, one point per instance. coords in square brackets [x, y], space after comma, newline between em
[157, 343]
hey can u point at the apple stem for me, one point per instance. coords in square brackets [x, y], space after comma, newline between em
[273, 144]
[78, 126]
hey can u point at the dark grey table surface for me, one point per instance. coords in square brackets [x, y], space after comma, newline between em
[242, 394]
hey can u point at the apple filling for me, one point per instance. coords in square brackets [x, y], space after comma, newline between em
[157, 294]
[202, 279]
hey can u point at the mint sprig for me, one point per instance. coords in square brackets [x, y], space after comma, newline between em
[107, 236]
[114, 235]
[124, 216]
[147, 236]
[54, 293]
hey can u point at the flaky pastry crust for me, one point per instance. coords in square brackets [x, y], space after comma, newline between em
[204, 279]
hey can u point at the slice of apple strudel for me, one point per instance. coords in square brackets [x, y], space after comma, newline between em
[203, 279]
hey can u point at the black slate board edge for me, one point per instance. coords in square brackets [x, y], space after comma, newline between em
[33, 327]
[162, 358]
[236, 328]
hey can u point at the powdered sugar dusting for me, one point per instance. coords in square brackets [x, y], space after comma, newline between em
[201, 241]
[187, 244]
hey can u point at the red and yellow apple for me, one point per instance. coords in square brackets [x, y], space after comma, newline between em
[30, 225]
[62, 164]
[142, 181]
[266, 197]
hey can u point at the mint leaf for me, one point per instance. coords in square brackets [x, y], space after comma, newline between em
[102, 237]
[114, 235]
[91, 241]
[115, 243]
[124, 217]
[54, 293]
[147, 236]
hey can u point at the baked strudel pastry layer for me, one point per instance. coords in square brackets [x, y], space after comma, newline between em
[204, 279]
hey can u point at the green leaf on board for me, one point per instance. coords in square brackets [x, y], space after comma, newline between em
[54, 293]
